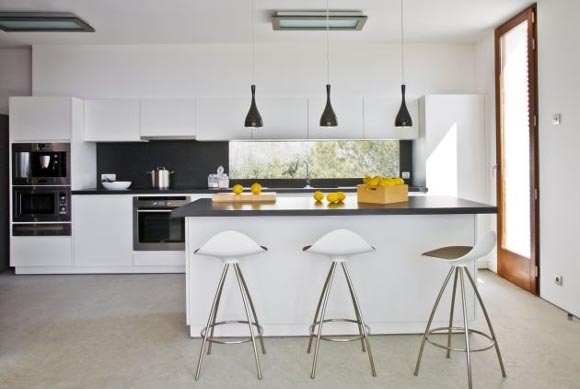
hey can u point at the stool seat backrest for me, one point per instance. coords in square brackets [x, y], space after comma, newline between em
[230, 244]
[482, 248]
[340, 243]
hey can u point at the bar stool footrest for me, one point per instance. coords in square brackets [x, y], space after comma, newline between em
[239, 340]
[338, 338]
[445, 331]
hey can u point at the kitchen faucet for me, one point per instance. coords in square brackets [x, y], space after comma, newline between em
[293, 169]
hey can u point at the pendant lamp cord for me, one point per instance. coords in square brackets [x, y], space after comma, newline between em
[327, 43]
[253, 48]
[402, 46]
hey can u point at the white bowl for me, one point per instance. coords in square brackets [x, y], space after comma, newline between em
[117, 185]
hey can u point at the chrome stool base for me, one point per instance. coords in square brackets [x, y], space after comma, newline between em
[460, 273]
[315, 328]
[254, 326]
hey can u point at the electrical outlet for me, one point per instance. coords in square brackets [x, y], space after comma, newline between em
[558, 280]
[110, 177]
[557, 119]
[405, 175]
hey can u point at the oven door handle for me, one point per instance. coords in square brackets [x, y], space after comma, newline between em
[154, 210]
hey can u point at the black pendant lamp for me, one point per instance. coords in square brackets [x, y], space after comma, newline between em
[403, 118]
[328, 118]
[253, 118]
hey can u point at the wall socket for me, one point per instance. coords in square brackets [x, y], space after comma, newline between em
[110, 177]
[558, 280]
[405, 175]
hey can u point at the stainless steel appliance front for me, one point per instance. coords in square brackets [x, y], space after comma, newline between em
[153, 227]
[41, 204]
[41, 164]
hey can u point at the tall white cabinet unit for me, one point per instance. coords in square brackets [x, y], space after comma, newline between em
[450, 154]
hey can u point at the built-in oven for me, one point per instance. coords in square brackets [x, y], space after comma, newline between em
[41, 204]
[41, 164]
[153, 227]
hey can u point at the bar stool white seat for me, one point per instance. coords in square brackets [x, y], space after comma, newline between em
[231, 247]
[460, 258]
[339, 245]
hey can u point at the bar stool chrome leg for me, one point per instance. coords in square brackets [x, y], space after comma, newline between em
[320, 325]
[431, 320]
[251, 304]
[360, 318]
[466, 328]
[451, 315]
[248, 315]
[210, 320]
[217, 305]
[500, 359]
[320, 304]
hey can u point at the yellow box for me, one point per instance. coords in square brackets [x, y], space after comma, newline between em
[382, 194]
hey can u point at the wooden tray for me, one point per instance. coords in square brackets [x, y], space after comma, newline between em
[264, 197]
[382, 194]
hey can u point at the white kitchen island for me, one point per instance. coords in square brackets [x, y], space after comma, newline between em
[395, 284]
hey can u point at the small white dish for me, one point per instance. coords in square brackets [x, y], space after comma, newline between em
[117, 185]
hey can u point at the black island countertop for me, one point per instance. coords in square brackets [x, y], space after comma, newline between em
[300, 206]
[202, 190]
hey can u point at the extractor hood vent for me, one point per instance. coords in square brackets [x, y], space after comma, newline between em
[43, 22]
[316, 20]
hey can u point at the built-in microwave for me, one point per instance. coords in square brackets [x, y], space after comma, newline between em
[41, 204]
[41, 164]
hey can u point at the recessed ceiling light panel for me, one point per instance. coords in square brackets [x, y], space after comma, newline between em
[316, 20]
[43, 22]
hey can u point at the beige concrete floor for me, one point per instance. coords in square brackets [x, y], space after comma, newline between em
[127, 331]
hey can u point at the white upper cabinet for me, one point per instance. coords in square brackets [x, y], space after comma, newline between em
[168, 118]
[349, 112]
[379, 118]
[222, 119]
[284, 118]
[112, 120]
[38, 119]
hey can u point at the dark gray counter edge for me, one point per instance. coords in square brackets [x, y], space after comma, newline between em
[145, 191]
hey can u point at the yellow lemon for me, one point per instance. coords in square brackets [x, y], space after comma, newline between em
[391, 182]
[256, 188]
[237, 189]
[367, 179]
[318, 196]
[384, 181]
[341, 196]
[400, 181]
[332, 197]
[374, 182]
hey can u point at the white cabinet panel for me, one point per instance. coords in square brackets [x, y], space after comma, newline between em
[168, 118]
[159, 258]
[40, 119]
[222, 119]
[41, 251]
[349, 113]
[103, 230]
[284, 118]
[379, 118]
[112, 120]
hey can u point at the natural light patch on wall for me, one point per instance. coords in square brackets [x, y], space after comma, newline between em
[326, 159]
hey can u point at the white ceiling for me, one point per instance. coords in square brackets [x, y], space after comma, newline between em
[228, 21]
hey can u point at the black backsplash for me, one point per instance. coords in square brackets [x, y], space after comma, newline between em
[192, 161]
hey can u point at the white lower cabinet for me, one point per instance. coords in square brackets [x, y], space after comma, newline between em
[41, 251]
[103, 230]
[159, 258]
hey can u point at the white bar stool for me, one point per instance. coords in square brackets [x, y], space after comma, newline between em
[339, 246]
[230, 247]
[460, 258]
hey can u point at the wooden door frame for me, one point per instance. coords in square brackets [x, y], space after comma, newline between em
[532, 283]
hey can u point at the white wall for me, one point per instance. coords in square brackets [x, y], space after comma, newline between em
[559, 92]
[15, 75]
[224, 70]
[559, 86]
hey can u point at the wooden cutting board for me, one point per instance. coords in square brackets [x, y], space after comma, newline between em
[264, 197]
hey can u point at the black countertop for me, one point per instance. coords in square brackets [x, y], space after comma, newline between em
[300, 206]
[198, 190]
